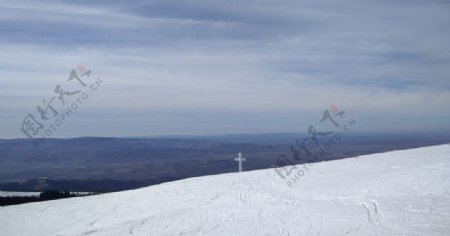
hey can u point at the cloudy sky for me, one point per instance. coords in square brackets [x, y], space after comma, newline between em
[217, 67]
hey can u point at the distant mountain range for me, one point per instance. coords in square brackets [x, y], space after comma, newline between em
[109, 164]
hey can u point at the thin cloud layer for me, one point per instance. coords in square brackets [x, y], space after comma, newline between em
[188, 67]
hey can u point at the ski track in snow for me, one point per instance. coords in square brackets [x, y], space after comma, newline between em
[396, 193]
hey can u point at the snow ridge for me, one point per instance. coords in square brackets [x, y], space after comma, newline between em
[396, 193]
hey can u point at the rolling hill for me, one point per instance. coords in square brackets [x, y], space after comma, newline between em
[394, 193]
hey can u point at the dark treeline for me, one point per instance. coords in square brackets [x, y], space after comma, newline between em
[44, 196]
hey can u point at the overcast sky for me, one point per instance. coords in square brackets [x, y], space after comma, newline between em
[217, 67]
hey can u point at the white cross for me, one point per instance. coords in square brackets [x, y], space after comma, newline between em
[240, 160]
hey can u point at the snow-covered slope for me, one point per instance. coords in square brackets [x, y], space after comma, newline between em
[19, 194]
[396, 193]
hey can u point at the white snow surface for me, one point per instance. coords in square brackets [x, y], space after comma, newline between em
[395, 193]
[19, 194]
